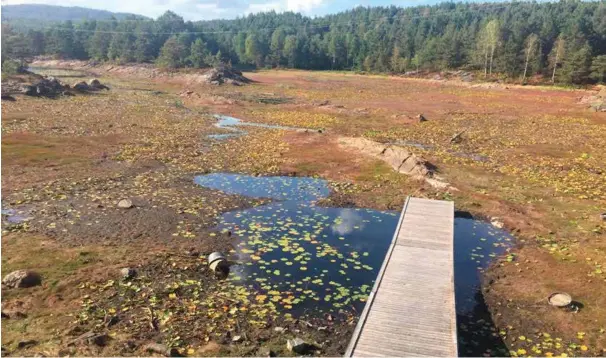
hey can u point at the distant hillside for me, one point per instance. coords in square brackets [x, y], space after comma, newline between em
[51, 13]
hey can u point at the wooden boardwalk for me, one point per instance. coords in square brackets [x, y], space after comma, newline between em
[411, 309]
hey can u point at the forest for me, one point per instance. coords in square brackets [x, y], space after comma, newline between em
[563, 42]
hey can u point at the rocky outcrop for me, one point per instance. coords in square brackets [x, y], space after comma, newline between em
[21, 279]
[400, 159]
[44, 87]
[595, 102]
[225, 74]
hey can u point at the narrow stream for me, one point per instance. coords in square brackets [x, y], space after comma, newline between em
[316, 260]
[230, 123]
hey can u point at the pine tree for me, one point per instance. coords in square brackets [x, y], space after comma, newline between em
[172, 53]
[290, 50]
[198, 53]
[598, 69]
[576, 67]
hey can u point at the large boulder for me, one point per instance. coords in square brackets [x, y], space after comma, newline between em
[225, 74]
[81, 86]
[95, 84]
[22, 279]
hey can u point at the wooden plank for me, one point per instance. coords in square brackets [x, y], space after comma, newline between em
[411, 309]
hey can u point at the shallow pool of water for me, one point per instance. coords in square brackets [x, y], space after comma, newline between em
[230, 123]
[14, 216]
[312, 259]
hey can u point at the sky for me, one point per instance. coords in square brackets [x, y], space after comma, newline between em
[221, 9]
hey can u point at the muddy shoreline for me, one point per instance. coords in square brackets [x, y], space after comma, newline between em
[148, 122]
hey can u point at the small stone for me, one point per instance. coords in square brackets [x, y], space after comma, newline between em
[100, 340]
[26, 344]
[280, 329]
[496, 222]
[421, 118]
[128, 273]
[125, 204]
[603, 216]
[157, 348]
[265, 352]
[22, 279]
[296, 345]
[237, 339]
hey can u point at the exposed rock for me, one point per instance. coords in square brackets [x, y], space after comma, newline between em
[496, 222]
[14, 310]
[128, 273]
[297, 345]
[100, 340]
[40, 86]
[22, 279]
[603, 216]
[125, 204]
[81, 86]
[225, 74]
[595, 102]
[458, 137]
[280, 329]
[27, 343]
[421, 118]
[237, 339]
[95, 84]
[157, 348]
[8, 97]
[265, 352]
[400, 159]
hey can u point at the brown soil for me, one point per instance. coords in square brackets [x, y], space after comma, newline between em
[543, 176]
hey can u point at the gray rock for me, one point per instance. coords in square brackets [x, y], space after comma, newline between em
[280, 329]
[237, 339]
[157, 348]
[128, 273]
[297, 345]
[421, 118]
[81, 86]
[125, 204]
[27, 343]
[95, 84]
[265, 352]
[496, 222]
[22, 279]
[29, 90]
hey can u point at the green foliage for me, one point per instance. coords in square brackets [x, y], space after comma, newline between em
[598, 69]
[172, 53]
[489, 37]
[198, 53]
[11, 67]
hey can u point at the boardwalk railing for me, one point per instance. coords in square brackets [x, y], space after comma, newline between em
[411, 308]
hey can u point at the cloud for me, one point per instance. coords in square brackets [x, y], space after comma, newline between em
[305, 6]
[189, 9]
[347, 223]
[263, 7]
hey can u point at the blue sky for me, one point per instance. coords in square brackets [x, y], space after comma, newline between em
[215, 9]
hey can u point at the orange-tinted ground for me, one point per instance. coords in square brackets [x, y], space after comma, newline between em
[531, 156]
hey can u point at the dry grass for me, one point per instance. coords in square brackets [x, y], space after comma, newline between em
[543, 171]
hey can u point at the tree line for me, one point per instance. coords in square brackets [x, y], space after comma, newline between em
[563, 41]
